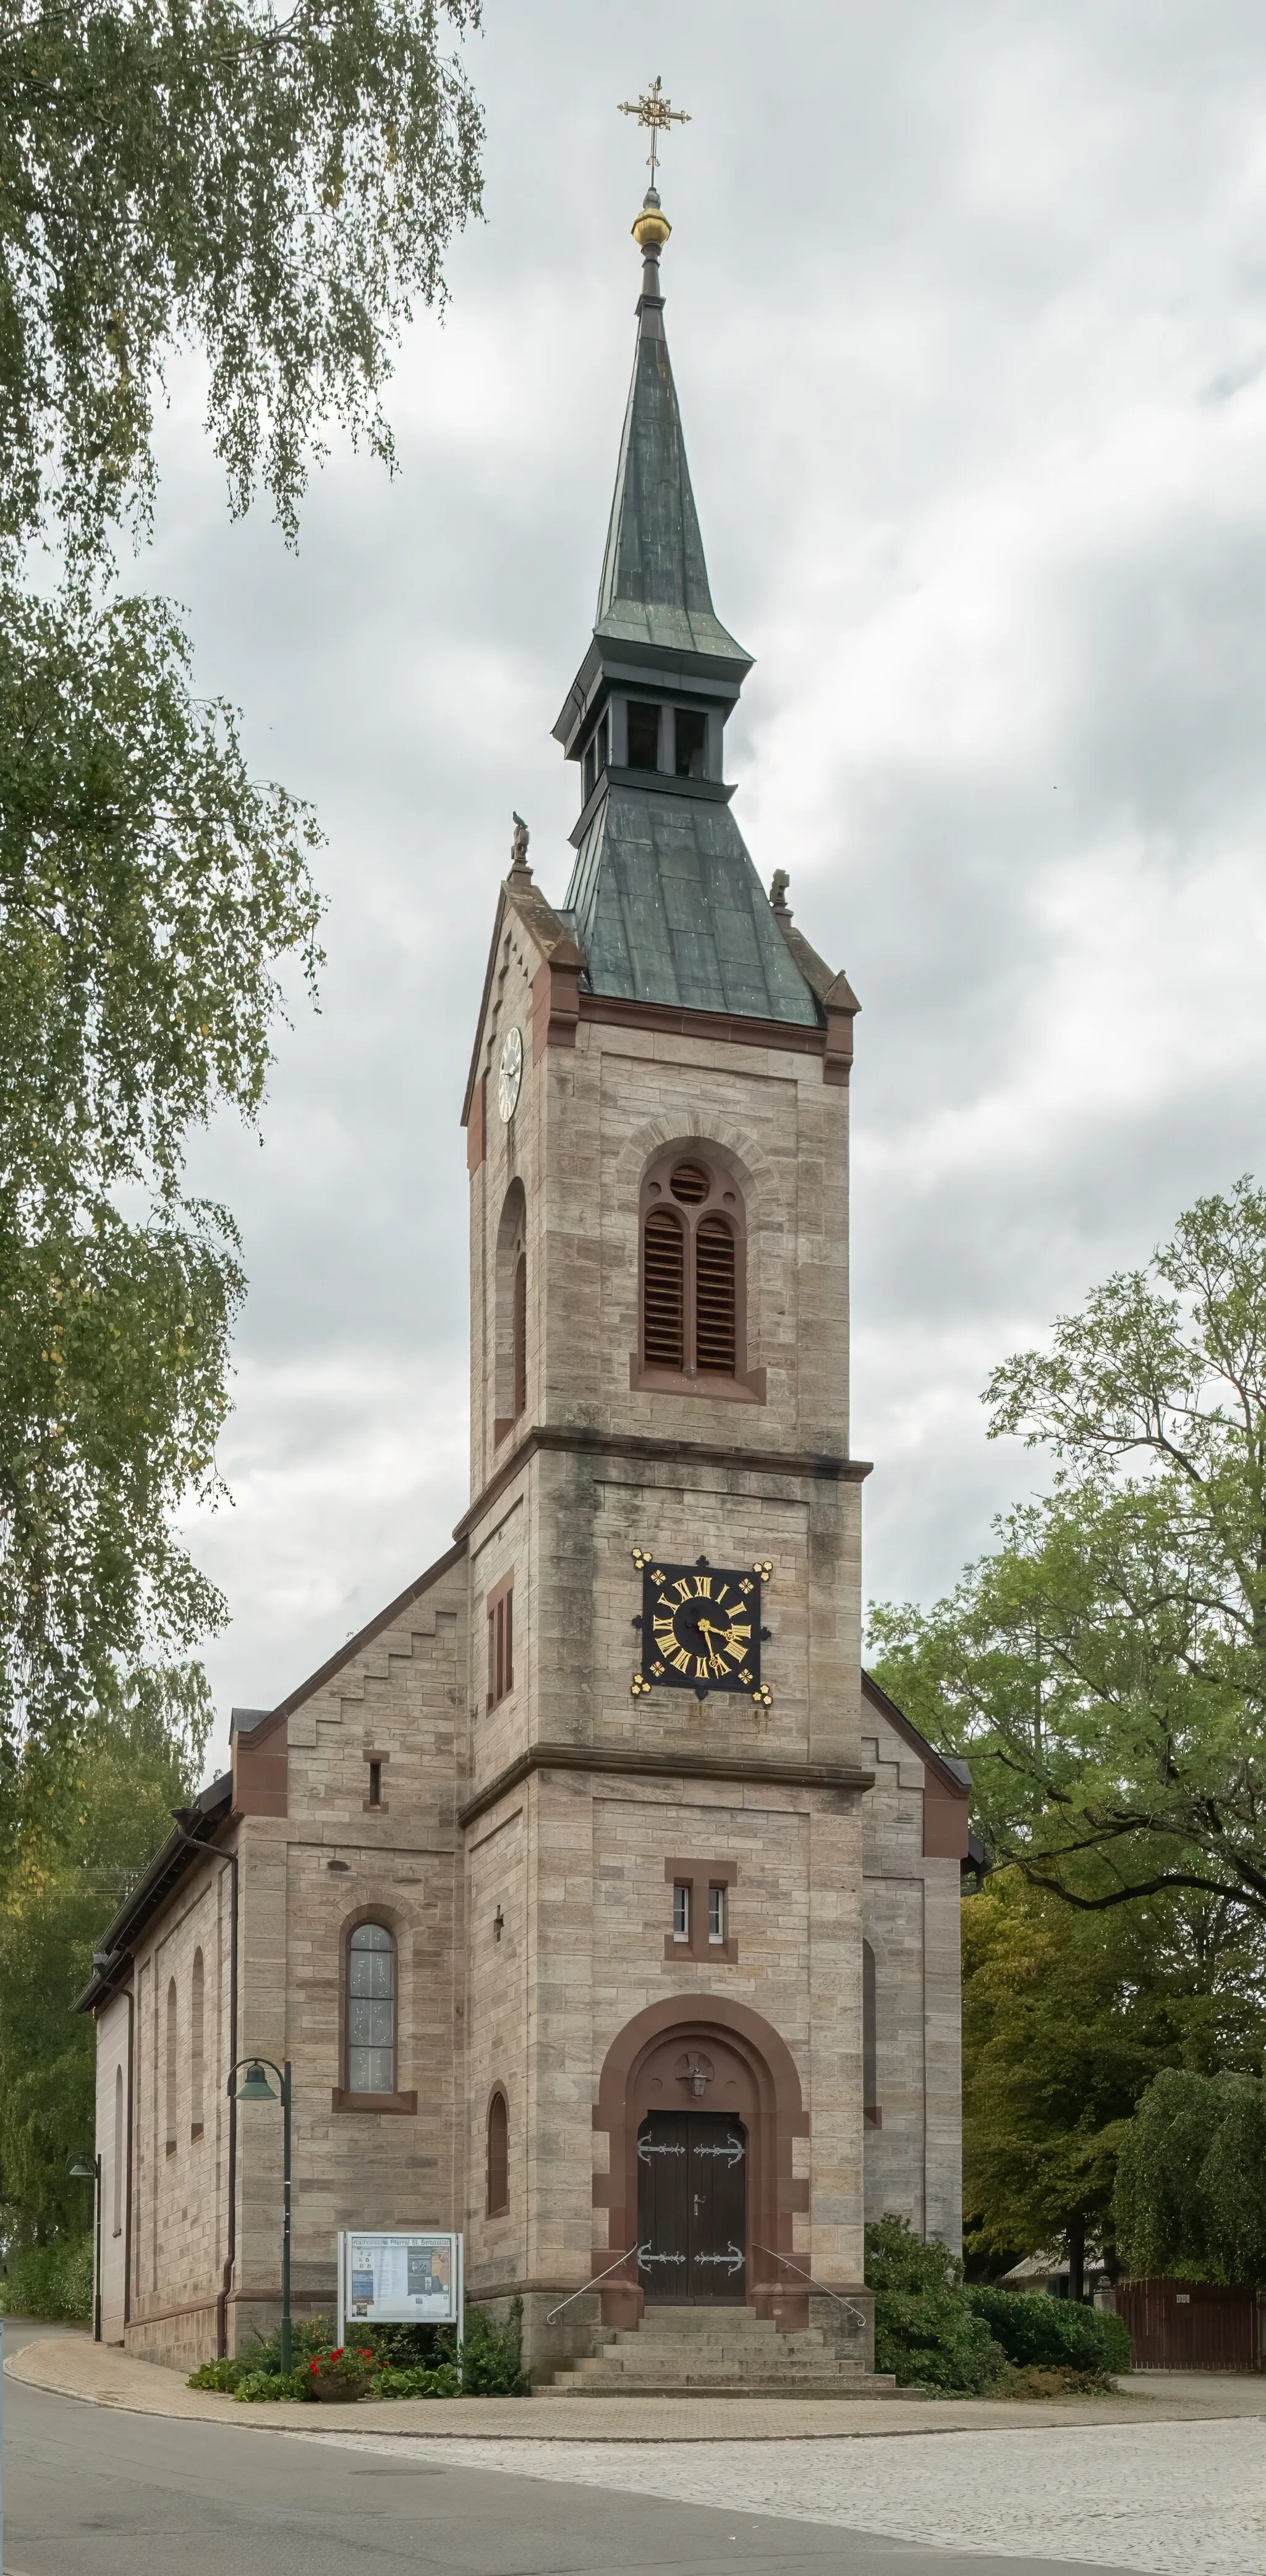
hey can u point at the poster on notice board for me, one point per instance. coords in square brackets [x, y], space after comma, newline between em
[398, 2276]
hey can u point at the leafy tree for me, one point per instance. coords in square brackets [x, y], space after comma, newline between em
[1105, 1668]
[83, 1821]
[926, 2332]
[1067, 2018]
[148, 888]
[1191, 2179]
[275, 186]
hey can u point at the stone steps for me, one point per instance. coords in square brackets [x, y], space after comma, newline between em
[722, 2352]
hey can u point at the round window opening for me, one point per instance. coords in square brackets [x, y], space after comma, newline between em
[689, 1183]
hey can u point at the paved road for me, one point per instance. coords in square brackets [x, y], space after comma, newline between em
[92, 2492]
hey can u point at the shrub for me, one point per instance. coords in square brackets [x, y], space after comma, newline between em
[492, 2355]
[1039, 2332]
[256, 2386]
[50, 2280]
[926, 2331]
[444, 2381]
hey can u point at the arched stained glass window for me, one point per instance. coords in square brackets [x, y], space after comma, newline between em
[371, 2010]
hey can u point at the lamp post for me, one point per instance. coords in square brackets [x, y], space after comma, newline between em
[255, 2087]
[88, 2169]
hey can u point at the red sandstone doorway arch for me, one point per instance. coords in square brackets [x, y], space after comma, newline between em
[754, 2074]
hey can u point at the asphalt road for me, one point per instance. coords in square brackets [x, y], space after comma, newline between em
[89, 2491]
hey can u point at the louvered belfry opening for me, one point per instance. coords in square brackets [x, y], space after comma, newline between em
[520, 1335]
[664, 1291]
[715, 1318]
[692, 1277]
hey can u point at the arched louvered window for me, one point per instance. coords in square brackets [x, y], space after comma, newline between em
[520, 1335]
[692, 1269]
[714, 1296]
[371, 2010]
[664, 1291]
[498, 2156]
[510, 1313]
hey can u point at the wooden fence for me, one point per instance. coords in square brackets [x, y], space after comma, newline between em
[1193, 2325]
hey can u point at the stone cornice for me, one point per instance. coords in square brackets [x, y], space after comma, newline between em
[672, 1453]
[613, 1762]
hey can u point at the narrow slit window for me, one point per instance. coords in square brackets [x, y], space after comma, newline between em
[716, 1914]
[500, 1646]
[498, 2156]
[171, 2066]
[872, 2116]
[371, 2010]
[117, 2185]
[375, 1784]
[196, 2054]
[681, 1911]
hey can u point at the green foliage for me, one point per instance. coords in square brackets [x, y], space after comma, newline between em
[255, 2387]
[49, 2280]
[274, 185]
[1105, 1668]
[926, 2332]
[148, 890]
[1191, 2180]
[1068, 2016]
[220, 2376]
[444, 2381]
[81, 1819]
[1034, 2330]
[492, 2355]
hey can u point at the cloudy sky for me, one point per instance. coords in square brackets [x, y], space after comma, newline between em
[967, 307]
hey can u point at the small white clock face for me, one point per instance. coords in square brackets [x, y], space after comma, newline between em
[510, 1074]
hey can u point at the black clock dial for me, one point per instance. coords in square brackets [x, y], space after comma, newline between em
[701, 1629]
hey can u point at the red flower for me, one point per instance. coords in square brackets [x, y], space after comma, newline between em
[315, 2365]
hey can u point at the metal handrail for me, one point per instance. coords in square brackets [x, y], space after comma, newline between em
[598, 2276]
[814, 2285]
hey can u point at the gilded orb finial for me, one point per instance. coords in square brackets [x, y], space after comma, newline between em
[651, 228]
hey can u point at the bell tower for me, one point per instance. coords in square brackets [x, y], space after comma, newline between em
[663, 1809]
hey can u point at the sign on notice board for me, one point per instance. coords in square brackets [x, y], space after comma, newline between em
[398, 2276]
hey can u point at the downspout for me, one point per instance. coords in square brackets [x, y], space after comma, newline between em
[130, 2000]
[230, 2256]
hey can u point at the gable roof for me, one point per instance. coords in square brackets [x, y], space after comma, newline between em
[954, 1776]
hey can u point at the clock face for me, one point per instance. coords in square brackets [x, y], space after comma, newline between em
[701, 1628]
[510, 1075]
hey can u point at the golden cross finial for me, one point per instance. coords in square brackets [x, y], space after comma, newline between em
[654, 110]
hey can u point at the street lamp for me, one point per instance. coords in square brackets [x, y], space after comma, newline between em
[88, 2169]
[255, 2087]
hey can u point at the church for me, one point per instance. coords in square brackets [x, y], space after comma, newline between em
[603, 1908]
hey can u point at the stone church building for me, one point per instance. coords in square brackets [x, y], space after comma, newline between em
[603, 1907]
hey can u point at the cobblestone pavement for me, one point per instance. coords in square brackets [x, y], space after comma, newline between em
[1174, 2499]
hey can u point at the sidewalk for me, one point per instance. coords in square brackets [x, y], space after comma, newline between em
[71, 2366]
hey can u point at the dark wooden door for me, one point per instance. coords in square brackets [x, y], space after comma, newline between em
[692, 2206]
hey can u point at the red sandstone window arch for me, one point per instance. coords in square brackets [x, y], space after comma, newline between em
[693, 1269]
[498, 2200]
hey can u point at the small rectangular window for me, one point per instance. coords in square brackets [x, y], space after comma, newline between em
[716, 1914]
[690, 742]
[681, 1913]
[500, 1647]
[375, 1784]
[643, 735]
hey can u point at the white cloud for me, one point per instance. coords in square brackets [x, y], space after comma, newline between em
[968, 314]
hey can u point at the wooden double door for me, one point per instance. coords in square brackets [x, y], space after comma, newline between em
[692, 2206]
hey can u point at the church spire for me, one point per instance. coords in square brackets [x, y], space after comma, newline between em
[654, 587]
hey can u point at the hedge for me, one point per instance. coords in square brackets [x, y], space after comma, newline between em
[1039, 2332]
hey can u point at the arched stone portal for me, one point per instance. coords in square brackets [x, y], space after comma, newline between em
[655, 2065]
